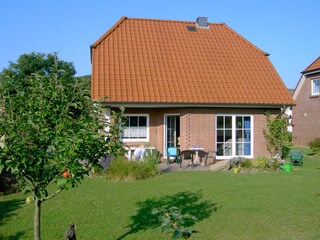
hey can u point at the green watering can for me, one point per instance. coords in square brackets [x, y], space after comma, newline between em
[286, 167]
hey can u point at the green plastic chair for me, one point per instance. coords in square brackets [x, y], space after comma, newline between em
[174, 153]
[296, 157]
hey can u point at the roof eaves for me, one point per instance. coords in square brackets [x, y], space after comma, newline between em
[312, 71]
[197, 105]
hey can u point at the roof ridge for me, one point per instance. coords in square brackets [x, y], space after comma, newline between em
[245, 40]
[305, 70]
[170, 20]
[123, 18]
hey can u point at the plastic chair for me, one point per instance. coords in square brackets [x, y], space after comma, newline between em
[174, 153]
[210, 154]
[296, 157]
[186, 155]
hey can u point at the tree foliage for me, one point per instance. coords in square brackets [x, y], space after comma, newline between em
[276, 133]
[51, 130]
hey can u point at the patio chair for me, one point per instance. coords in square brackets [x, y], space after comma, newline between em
[296, 157]
[202, 155]
[174, 153]
[210, 154]
[186, 155]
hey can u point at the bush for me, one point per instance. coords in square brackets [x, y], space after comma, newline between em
[260, 162]
[237, 161]
[315, 146]
[172, 220]
[122, 169]
[246, 164]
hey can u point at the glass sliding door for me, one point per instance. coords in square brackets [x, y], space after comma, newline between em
[243, 136]
[234, 135]
[224, 135]
[172, 131]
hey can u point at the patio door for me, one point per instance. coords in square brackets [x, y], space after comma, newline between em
[234, 136]
[171, 131]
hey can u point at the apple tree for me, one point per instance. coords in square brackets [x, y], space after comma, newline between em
[51, 131]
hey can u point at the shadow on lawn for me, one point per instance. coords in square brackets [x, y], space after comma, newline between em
[187, 202]
[7, 210]
[17, 236]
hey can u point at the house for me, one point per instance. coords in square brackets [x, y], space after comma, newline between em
[306, 115]
[187, 84]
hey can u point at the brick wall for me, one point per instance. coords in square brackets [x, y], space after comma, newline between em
[306, 115]
[197, 127]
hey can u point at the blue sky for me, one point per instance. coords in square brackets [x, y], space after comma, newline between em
[288, 30]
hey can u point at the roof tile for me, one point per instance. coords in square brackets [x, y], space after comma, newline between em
[313, 66]
[145, 60]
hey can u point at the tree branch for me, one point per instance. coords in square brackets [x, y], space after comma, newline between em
[52, 195]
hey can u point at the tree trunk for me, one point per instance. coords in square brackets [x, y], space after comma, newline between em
[36, 219]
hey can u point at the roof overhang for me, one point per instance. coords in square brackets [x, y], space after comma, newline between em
[316, 71]
[194, 105]
[302, 80]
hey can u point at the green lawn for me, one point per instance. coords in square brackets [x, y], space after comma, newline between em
[269, 205]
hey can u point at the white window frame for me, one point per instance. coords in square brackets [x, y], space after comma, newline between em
[313, 93]
[147, 131]
[165, 131]
[233, 155]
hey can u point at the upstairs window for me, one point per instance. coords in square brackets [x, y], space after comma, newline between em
[136, 128]
[315, 86]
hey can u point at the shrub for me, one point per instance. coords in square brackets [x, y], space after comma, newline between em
[122, 169]
[172, 220]
[276, 133]
[237, 161]
[315, 146]
[260, 162]
[246, 164]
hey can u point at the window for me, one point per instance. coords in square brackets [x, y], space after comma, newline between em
[136, 128]
[315, 83]
[234, 135]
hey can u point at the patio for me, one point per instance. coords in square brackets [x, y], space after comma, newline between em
[163, 167]
[186, 166]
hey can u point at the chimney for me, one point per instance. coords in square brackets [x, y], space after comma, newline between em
[202, 22]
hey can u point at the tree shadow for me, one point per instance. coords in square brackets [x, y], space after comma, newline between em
[17, 236]
[7, 210]
[187, 202]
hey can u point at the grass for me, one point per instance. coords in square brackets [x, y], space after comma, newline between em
[271, 205]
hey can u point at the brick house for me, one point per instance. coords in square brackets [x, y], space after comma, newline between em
[187, 84]
[306, 115]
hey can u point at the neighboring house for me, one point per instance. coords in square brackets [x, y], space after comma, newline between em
[306, 115]
[187, 84]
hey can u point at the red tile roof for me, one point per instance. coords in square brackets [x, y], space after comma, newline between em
[313, 66]
[159, 61]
